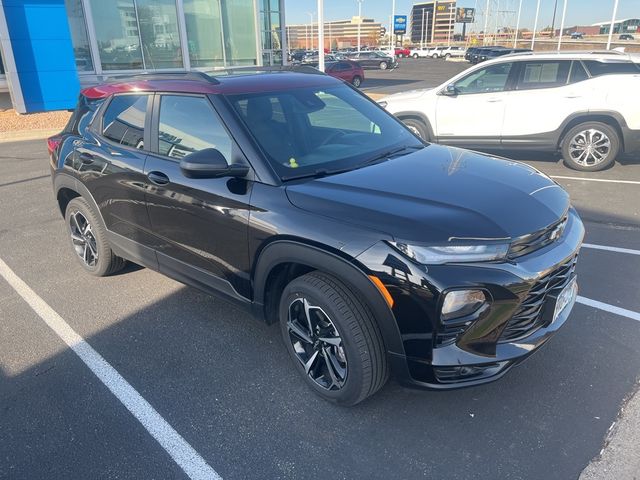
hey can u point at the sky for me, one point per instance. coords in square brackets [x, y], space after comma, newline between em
[579, 12]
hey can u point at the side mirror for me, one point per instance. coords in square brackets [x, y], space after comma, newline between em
[210, 163]
[450, 90]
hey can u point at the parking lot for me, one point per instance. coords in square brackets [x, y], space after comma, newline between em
[172, 383]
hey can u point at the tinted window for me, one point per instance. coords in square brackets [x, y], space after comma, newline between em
[543, 74]
[597, 68]
[578, 73]
[485, 80]
[123, 121]
[189, 124]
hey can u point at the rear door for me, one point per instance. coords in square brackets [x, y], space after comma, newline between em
[546, 93]
[475, 115]
[109, 161]
[200, 225]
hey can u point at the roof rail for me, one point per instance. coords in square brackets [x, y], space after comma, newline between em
[175, 75]
[269, 68]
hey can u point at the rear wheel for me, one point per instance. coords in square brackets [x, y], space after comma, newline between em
[418, 128]
[357, 81]
[383, 65]
[400, 55]
[590, 146]
[435, 55]
[89, 239]
[415, 55]
[447, 56]
[332, 338]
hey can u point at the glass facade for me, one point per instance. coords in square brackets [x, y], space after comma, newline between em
[152, 35]
[78, 29]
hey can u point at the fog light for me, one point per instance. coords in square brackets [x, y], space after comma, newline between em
[460, 303]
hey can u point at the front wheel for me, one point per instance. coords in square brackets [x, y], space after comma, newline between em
[447, 56]
[383, 65]
[357, 81]
[400, 55]
[435, 55]
[415, 55]
[418, 128]
[590, 146]
[333, 339]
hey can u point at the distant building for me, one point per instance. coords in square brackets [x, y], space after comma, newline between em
[433, 22]
[586, 29]
[339, 33]
[628, 25]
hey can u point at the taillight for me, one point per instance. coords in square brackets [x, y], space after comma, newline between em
[52, 143]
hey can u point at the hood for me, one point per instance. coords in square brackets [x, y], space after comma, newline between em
[410, 95]
[437, 193]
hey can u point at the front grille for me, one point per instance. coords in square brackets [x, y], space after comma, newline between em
[449, 332]
[537, 240]
[528, 317]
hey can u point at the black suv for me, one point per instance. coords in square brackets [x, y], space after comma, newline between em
[299, 199]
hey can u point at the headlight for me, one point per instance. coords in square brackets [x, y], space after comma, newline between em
[383, 104]
[454, 253]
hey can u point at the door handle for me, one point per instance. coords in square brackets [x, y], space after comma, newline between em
[573, 96]
[494, 100]
[86, 158]
[158, 178]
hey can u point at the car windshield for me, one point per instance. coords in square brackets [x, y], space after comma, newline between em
[305, 131]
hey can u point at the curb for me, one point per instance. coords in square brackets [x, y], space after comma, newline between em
[21, 135]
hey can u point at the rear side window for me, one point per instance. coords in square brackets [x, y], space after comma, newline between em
[597, 68]
[123, 121]
[189, 124]
[543, 74]
[578, 73]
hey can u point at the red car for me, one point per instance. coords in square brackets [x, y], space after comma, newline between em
[346, 70]
[402, 52]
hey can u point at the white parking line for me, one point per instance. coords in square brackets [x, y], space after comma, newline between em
[609, 308]
[177, 447]
[632, 182]
[611, 249]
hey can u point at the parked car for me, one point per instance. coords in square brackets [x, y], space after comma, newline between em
[313, 59]
[402, 52]
[577, 36]
[346, 70]
[298, 199]
[455, 52]
[374, 60]
[489, 54]
[480, 51]
[575, 103]
[626, 36]
[419, 52]
[436, 52]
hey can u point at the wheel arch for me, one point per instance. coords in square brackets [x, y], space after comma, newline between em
[66, 188]
[413, 115]
[613, 119]
[296, 258]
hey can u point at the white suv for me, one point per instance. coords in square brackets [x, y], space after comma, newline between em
[586, 105]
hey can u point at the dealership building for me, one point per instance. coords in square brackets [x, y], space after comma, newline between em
[50, 48]
[432, 22]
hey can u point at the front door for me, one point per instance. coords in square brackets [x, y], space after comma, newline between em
[475, 115]
[200, 225]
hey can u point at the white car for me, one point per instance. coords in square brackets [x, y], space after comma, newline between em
[436, 52]
[419, 52]
[585, 105]
[448, 52]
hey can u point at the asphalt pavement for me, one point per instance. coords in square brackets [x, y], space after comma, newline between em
[224, 384]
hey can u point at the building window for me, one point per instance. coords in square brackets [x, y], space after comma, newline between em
[239, 32]
[78, 29]
[118, 45]
[204, 32]
[159, 34]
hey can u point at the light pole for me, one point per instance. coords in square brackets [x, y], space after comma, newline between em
[553, 19]
[321, 35]
[423, 24]
[564, 14]
[515, 40]
[486, 24]
[535, 26]
[393, 17]
[613, 23]
[359, 21]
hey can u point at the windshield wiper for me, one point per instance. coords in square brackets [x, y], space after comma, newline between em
[390, 153]
[319, 173]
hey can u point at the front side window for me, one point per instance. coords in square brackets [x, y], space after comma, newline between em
[123, 120]
[543, 74]
[309, 128]
[189, 124]
[486, 80]
[578, 73]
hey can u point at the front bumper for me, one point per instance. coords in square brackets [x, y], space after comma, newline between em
[481, 353]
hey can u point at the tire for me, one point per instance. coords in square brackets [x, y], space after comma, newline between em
[435, 55]
[605, 143]
[352, 330]
[415, 55]
[383, 65]
[400, 55]
[417, 127]
[447, 56]
[88, 239]
[356, 81]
